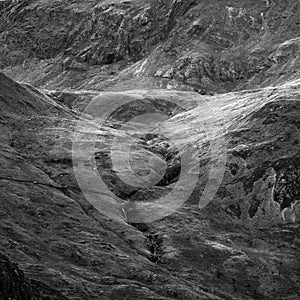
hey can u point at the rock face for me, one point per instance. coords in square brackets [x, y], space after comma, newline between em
[14, 285]
[236, 64]
[208, 46]
[13, 282]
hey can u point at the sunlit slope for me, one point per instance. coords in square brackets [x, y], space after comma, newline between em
[78, 247]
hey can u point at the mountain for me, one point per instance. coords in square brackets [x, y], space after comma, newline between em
[208, 46]
[238, 247]
[84, 84]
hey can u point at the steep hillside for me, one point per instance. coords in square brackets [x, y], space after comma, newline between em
[243, 245]
[150, 150]
[208, 46]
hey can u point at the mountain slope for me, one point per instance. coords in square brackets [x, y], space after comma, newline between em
[238, 247]
[95, 204]
[209, 46]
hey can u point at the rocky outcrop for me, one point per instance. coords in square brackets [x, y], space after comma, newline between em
[96, 33]
[14, 285]
[208, 46]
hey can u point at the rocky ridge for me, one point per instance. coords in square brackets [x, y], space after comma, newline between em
[207, 46]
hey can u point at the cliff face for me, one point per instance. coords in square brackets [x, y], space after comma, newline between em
[210, 46]
[236, 63]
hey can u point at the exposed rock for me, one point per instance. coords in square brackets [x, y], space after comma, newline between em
[210, 46]
[59, 239]
[236, 63]
[14, 285]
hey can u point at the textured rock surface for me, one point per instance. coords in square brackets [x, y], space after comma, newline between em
[209, 46]
[14, 285]
[239, 247]
[245, 243]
